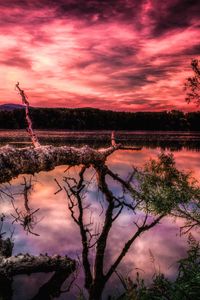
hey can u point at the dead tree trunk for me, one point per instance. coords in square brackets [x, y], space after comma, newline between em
[28, 119]
[14, 162]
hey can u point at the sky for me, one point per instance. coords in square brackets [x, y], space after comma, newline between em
[128, 55]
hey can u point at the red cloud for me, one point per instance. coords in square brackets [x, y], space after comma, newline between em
[119, 63]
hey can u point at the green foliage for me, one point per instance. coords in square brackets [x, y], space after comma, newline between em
[188, 280]
[185, 287]
[163, 187]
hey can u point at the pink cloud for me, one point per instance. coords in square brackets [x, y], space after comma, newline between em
[119, 63]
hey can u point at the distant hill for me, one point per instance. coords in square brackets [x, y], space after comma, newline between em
[11, 106]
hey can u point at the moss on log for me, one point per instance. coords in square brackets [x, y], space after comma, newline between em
[14, 161]
[28, 264]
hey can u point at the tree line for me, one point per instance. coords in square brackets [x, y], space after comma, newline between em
[96, 119]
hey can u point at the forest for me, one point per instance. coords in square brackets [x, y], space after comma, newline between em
[96, 119]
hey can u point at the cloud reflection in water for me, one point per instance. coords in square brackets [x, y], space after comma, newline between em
[59, 234]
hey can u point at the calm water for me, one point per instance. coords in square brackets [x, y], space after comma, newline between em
[59, 234]
[173, 140]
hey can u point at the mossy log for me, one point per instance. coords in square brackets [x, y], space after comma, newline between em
[29, 160]
[28, 264]
[62, 266]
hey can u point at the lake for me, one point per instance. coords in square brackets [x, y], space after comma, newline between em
[59, 234]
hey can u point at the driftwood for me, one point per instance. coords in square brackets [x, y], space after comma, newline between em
[28, 264]
[62, 266]
[15, 161]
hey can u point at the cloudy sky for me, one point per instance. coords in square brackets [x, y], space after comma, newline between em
[130, 55]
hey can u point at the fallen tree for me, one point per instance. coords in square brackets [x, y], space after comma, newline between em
[28, 264]
[29, 160]
[11, 265]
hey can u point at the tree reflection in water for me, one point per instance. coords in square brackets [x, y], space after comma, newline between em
[147, 194]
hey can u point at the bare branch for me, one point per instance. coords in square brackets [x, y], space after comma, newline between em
[128, 244]
[28, 119]
[76, 193]
[27, 217]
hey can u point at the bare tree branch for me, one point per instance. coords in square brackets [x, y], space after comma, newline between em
[26, 218]
[128, 244]
[28, 119]
[76, 192]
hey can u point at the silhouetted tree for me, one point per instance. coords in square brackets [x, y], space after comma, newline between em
[193, 83]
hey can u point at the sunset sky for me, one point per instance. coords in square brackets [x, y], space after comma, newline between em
[130, 55]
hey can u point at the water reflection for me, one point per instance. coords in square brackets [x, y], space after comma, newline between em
[58, 233]
[166, 140]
